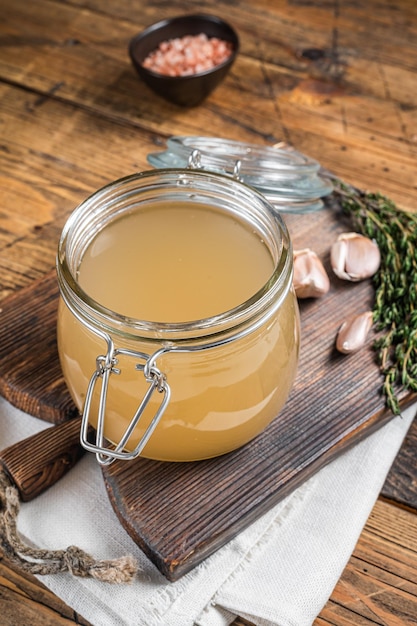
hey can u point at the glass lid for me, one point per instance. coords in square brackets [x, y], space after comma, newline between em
[290, 180]
[254, 159]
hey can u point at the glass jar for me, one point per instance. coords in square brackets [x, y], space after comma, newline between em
[178, 326]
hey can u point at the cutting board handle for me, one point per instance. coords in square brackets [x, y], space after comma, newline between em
[40, 460]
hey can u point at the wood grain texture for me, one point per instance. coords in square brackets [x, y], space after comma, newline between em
[30, 373]
[39, 461]
[24, 600]
[338, 80]
[379, 585]
[349, 106]
[202, 505]
[401, 483]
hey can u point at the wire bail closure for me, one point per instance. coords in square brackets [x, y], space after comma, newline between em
[194, 163]
[106, 366]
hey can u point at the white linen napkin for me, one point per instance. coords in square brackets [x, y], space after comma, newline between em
[279, 572]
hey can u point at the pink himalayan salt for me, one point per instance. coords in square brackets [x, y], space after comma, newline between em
[188, 55]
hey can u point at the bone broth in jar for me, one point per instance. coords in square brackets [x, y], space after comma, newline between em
[178, 326]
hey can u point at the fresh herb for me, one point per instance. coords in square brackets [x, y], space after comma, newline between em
[395, 305]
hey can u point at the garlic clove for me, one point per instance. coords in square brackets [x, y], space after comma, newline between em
[310, 278]
[354, 257]
[353, 333]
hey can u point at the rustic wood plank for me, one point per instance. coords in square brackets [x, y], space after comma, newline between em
[115, 90]
[39, 461]
[378, 586]
[24, 600]
[30, 376]
[401, 483]
[352, 128]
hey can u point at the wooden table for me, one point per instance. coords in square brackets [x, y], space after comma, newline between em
[338, 80]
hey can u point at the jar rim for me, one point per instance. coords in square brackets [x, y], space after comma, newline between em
[96, 211]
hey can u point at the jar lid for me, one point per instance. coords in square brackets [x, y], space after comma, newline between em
[290, 180]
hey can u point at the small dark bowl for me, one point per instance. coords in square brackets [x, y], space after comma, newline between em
[183, 90]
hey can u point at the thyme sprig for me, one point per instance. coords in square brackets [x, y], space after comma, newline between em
[395, 303]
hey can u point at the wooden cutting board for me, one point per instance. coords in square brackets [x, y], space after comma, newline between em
[179, 513]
